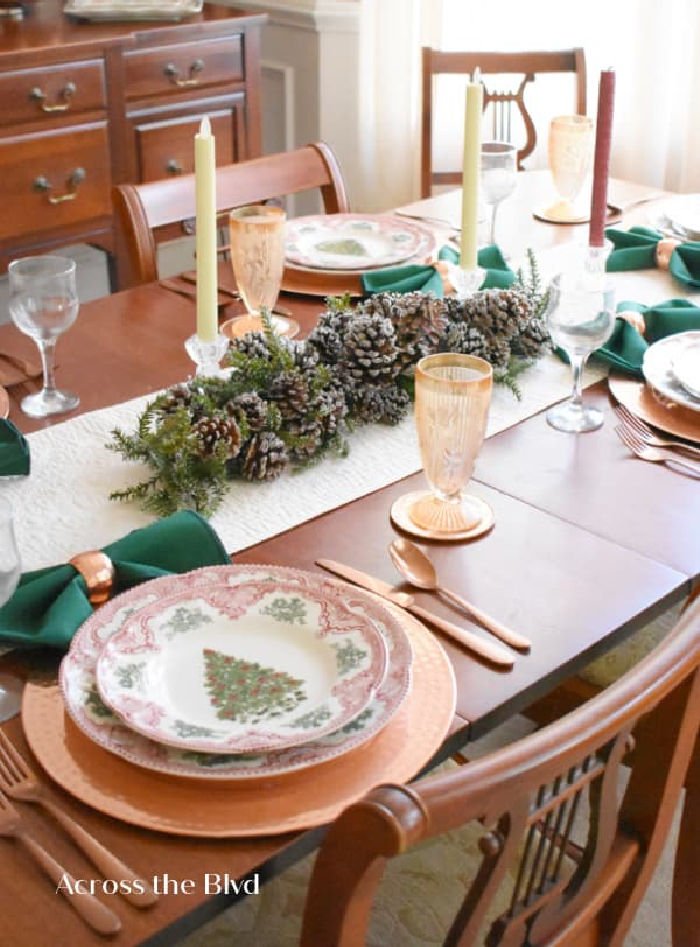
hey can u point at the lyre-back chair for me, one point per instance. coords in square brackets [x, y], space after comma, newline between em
[524, 799]
[141, 209]
[526, 65]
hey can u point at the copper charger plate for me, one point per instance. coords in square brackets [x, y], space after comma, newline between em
[638, 398]
[266, 806]
[4, 403]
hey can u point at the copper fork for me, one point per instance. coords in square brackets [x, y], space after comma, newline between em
[20, 783]
[656, 455]
[649, 437]
[97, 915]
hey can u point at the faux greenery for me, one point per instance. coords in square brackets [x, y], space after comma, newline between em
[285, 404]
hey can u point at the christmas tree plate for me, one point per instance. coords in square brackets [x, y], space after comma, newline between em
[234, 664]
[355, 242]
[101, 726]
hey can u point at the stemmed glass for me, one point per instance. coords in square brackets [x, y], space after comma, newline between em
[580, 318]
[257, 237]
[453, 393]
[43, 304]
[499, 176]
[10, 686]
[570, 152]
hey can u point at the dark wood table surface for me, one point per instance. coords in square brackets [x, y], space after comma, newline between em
[588, 545]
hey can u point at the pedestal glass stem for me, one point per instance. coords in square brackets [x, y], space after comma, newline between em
[577, 363]
[47, 350]
[492, 235]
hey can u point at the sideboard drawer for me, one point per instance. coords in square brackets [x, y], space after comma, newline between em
[188, 66]
[54, 179]
[52, 91]
[166, 148]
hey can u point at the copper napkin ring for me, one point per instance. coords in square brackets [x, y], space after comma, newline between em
[98, 571]
[664, 251]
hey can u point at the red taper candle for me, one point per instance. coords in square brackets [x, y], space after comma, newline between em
[601, 164]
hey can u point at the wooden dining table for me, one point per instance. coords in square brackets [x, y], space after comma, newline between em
[589, 545]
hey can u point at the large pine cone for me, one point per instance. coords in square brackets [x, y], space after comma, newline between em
[331, 407]
[466, 339]
[264, 457]
[252, 408]
[380, 404]
[304, 356]
[252, 345]
[217, 435]
[418, 319]
[499, 312]
[179, 396]
[369, 349]
[327, 335]
[531, 340]
[290, 392]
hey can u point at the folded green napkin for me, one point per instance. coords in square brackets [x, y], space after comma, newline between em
[626, 347]
[426, 279]
[14, 451]
[635, 249]
[50, 604]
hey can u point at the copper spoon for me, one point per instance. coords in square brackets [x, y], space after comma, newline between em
[417, 569]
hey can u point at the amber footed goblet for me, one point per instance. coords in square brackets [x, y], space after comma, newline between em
[453, 393]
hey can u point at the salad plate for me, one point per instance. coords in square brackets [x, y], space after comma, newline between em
[660, 372]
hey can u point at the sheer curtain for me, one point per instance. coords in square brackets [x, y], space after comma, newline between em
[651, 45]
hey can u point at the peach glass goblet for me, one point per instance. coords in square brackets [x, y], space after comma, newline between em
[570, 153]
[453, 394]
[257, 237]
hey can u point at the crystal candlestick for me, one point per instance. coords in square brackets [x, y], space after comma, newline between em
[206, 355]
[465, 282]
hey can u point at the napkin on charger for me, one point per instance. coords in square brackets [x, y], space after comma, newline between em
[427, 279]
[14, 451]
[635, 249]
[50, 604]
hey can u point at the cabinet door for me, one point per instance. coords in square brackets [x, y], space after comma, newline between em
[54, 179]
[164, 146]
[172, 70]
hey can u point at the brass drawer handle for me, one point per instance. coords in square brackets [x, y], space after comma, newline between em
[66, 93]
[75, 178]
[173, 73]
[173, 166]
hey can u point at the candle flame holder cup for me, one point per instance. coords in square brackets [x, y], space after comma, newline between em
[464, 282]
[207, 355]
[453, 394]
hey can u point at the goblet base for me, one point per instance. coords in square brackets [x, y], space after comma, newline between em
[239, 326]
[10, 696]
[573, 418]
[49, 401]
[562, 212]
[477, 516]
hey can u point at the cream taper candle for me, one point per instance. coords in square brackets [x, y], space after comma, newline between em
[207, 279]
[470, 171]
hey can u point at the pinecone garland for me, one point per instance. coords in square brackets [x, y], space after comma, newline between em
[252, 407]
[264, 457]
[369, 349]
[418, 319]
[211, 433]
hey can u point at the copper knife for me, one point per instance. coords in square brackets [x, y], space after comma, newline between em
[487, 650]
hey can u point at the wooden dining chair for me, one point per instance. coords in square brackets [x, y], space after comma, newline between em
[502, 104]
[159, 210]
[523, 801]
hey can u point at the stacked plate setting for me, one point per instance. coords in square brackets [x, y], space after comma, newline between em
[672, 370]
[236, 672]
[681, 215]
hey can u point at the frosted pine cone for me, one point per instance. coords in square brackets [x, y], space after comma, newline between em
[217, 435]
[264, 457]
[369, 349]
[532, 339]
[251, 407]
[418, 319]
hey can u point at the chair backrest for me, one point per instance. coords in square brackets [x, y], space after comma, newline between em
[525, 797]
[527, 65]
[142, 208]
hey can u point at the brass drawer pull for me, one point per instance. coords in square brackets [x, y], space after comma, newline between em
[66, 93]
[75, 178]
[173, 166]
[173, 73]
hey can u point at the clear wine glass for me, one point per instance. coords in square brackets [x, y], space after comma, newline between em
[257, 237]
[499, 176]
[580, 318]
[43, 304]
[10, 568]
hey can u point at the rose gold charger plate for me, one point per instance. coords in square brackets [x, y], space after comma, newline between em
[640, 400]
[4, 403]
[265, 806]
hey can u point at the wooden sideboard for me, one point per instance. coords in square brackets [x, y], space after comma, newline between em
[85, 106]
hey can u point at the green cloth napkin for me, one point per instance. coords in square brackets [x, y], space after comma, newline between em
[14, 451]
[426, 279]
[635, 249]
[626, 347]
[50, 604]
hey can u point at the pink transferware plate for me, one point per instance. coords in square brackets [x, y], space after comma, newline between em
[97, 721]
[229, 663]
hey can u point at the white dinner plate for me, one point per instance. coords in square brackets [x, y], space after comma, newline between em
[686, 367]
[682, 214]
[356, 242]
[96, 720]
[233, 663]
[659, 368]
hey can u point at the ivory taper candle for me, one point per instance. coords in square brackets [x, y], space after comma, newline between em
[470, 171]
[601, 163]
[207, 279]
